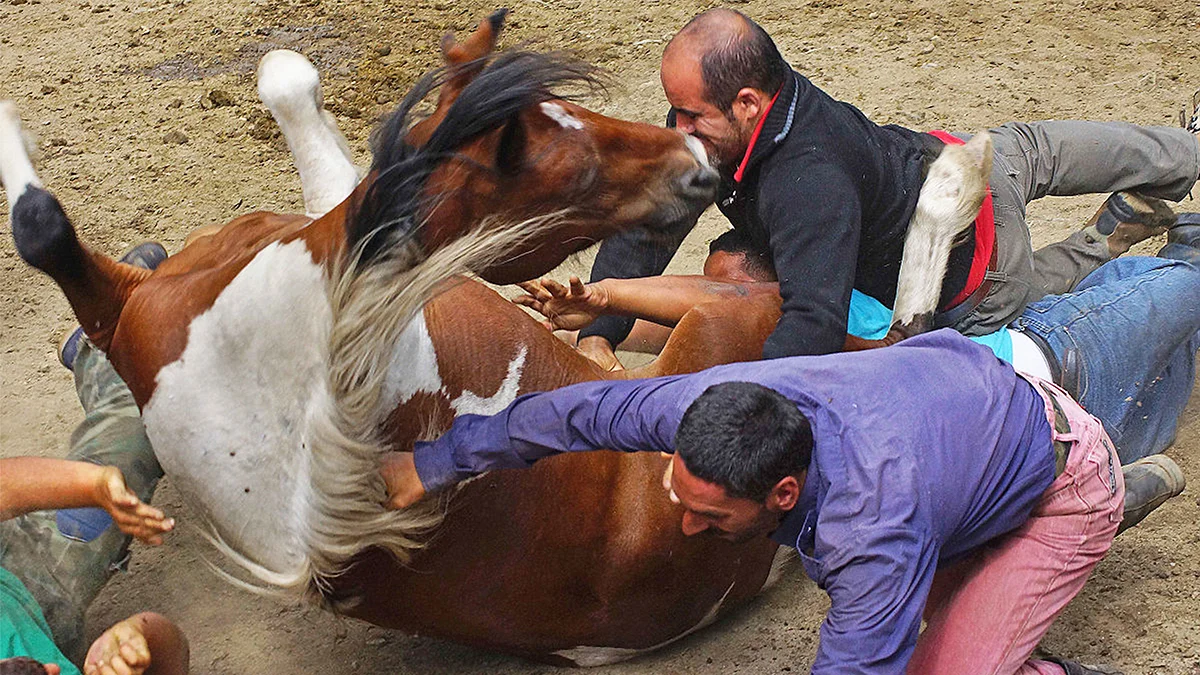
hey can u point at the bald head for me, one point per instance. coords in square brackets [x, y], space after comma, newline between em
[731, 52]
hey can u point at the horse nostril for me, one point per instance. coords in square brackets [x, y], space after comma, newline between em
[702, 179]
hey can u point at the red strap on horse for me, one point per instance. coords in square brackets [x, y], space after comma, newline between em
[985, 234]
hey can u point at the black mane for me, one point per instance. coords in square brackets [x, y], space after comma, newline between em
[508, 83]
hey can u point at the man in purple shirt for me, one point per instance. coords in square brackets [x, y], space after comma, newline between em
[926, 480]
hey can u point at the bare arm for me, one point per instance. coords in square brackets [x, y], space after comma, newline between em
[38, 483]
[662, 300]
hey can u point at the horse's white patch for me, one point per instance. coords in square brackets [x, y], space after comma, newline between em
[470, 403]
[559, 114]
[413, 367]
[588, 657]
[697, 149]
[229, 420]
[16, 171]
[290, 87]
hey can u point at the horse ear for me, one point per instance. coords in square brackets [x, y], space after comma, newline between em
[477, 45]
[510, 152]
[466, 58]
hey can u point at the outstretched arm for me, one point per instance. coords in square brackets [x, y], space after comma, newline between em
[628, 415]
[37, 483]
[663, 300]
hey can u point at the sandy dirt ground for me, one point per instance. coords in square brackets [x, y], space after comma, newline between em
[148, 126]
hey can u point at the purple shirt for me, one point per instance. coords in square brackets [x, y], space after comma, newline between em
[921, 452]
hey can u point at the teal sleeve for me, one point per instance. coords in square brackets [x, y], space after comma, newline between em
[23, 629]
[870, 319]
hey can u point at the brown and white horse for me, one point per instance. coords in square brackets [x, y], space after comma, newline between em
[278, 359]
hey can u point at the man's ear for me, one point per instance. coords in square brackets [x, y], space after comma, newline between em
[785, 494]
[748, 105]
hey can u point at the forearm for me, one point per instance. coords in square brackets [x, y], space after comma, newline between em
[38, 483]
[629, 416]
[664, 300]
[632, 254]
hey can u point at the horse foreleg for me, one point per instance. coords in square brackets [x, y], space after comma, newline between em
[290, 87]
[95, 285]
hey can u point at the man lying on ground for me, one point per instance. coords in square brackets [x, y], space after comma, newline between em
[1124, 341]
[830, 194]
[892, 513]
[53, 563]
[143, 643]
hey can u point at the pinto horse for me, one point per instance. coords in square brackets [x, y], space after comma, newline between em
[277, 360]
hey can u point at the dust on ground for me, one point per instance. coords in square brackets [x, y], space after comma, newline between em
[148, 127]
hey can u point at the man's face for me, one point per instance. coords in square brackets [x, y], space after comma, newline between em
[724, 139]
[708, 508]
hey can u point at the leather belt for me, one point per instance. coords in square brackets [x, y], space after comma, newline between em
[1062, 449]
[1067, 373]
[953, 315]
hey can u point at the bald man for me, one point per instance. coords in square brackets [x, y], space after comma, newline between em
[830, 194]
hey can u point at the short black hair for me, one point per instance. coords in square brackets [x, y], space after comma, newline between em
[750, 59]
[744, 437]
[758, 260]
[21, 665]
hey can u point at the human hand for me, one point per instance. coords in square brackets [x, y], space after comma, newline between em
[666, 479]
[600, 351]
[132, 515]
[404, 486]
[570, 307]
[120, 650]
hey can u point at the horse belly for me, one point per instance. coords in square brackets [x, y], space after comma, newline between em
[229, 419]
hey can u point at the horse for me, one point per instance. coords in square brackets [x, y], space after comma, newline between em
[277, 359]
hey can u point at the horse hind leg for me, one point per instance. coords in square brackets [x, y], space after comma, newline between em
[95, 285]
[290, 87]
[948, 203]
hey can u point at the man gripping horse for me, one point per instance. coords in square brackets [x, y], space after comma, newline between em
[830, 194]
[961, 493]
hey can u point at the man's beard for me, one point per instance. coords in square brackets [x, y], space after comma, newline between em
[728, 152]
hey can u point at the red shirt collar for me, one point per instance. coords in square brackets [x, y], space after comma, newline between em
[741, 170]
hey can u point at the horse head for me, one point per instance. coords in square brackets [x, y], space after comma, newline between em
[544, 154]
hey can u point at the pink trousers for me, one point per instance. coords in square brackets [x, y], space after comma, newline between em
[987, 613]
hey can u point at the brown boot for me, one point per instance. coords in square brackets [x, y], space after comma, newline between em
[1127, 218]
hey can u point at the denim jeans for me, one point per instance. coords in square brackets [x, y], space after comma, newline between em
[1134, 325]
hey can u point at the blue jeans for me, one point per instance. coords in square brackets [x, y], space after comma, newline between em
[1134, 325]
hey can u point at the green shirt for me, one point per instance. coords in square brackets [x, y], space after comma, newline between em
[23, 629]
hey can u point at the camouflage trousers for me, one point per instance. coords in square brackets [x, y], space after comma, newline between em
[65, 557]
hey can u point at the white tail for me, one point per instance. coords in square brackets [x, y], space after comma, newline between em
[949, 201]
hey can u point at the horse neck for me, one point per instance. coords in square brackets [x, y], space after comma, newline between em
[444, 365]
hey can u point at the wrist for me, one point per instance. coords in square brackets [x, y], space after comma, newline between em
[97, 477]
[602, 292]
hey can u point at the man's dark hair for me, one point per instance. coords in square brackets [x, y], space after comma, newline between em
[758, 261]
[744, 437]
[750, 59]
[21, 665]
